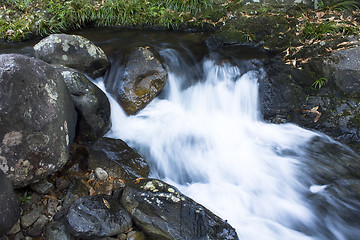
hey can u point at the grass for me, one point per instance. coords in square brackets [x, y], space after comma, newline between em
[21, 19]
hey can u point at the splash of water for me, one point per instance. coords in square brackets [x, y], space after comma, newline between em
[208, 139]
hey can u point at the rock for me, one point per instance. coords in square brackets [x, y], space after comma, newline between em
[117, 159]
[29, 218]
[101, 174]
[15, 229]
[280, 95]
[91, 104]
[73, 51]
[9, 207]
[161, 211]
[57, 231]
[340, 117]
[42, 186]
[342, 68]
[141, 80]
[37, 229]
[135, 235]
[37, 119]
[97, 216]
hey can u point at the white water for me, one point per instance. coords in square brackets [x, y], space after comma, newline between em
[208, 139]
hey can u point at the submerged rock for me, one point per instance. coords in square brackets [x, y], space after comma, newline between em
[161, 211]
[142, 79]
[9, 207]
[117, 159]
[73, 51]
[97, 216]
[91, 103]
[37, 119]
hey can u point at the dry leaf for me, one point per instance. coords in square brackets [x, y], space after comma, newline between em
[106, 203]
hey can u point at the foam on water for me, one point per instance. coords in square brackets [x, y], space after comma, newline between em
[208, 139]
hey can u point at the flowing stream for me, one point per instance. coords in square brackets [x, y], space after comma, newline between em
[205, 135]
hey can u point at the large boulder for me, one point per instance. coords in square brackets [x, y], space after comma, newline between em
[280, 95]
[342, 69]
[37, 119]
[91, 104]
[9, 207]
[73, 51]
[140, 81]
[161, 211]
[93, 217]
[117, 159]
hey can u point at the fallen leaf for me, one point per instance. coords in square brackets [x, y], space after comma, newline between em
[106, 203]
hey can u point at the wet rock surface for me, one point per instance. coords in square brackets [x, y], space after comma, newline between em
[97, 216]
[142, 79]
[9, 207]
[91, 104]
[73, 51]
[163, 212]
[117, 159]
[38, 119]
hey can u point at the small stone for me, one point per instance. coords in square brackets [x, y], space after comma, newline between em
[62, 183]
[135, 235]
[42, 187]
[19, 236]
[28, 219]
[15, 229]
[101, 174]
[57, 231]
[121, 236]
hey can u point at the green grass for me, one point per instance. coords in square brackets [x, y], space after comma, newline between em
[21, 19]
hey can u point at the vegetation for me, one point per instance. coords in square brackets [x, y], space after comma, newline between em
[319, 83]
[21, 19]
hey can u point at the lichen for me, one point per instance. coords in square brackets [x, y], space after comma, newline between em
[3, 164]
[12, 139]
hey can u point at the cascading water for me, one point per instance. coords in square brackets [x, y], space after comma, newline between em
[205, 135]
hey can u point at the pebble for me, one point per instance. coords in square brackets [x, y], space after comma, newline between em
[101, 174]
[42, 187]
[28, 219]
[135, 235]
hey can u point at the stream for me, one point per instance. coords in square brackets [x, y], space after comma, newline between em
[205, 135]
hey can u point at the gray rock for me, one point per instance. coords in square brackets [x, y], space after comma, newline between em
[117, 159]
[15, 229]
[42, 186]
[57, 231]
[9, 207]
[136, 235]
[91, 103]
[73, 51]
[37, 119]
[141, 81]
[30, 218]
[343, 68]
[101, 174]
[161, 211]
[97, 216]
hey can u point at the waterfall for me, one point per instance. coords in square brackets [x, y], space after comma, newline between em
[205, 135]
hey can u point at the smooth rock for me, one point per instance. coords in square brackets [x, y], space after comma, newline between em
[141, 80]
[42, 187]
[117, 159]
[9, 207]
[161, 211]
[57, 231]
[135, 235]
[73, 51]
[37, 119]
[97, 216]
[29, 218]
[101, 174]
[90, 102]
